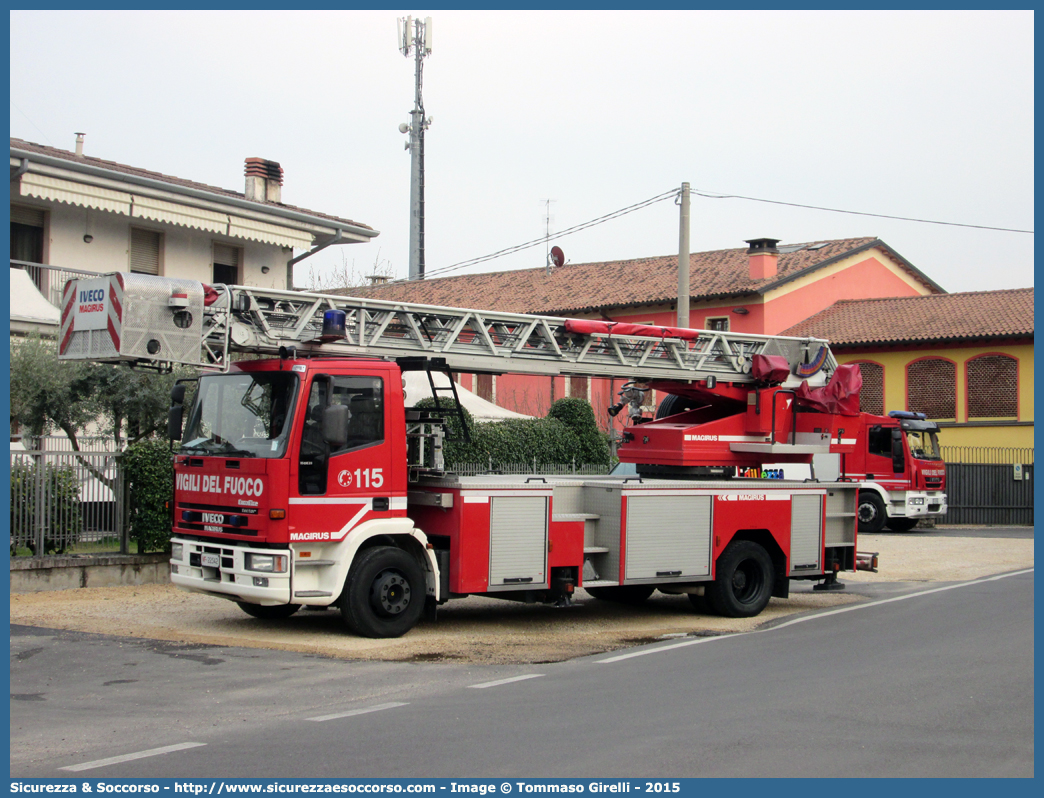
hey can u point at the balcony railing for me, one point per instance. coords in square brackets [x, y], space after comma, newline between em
[50, 280]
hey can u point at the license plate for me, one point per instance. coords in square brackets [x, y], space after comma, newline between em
[210, 560]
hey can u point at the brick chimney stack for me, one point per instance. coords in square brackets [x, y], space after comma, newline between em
[764, 257]
[264, 180]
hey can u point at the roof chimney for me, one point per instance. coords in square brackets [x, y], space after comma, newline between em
[79, 144]
[378, 279]
[763, 257]
[264, 180]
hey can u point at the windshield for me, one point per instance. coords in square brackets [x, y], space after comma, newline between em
[923, 445]
[242, 415]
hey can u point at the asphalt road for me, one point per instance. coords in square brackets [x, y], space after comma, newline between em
[923, 681]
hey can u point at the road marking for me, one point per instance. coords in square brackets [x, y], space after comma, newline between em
[363, 711]
[658, 649]
[896, 598]
[499, 682]
[849, 608]
[115, 760]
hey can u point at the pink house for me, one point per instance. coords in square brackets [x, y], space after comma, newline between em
[762, 288]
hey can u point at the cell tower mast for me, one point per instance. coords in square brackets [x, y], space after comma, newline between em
[415, 37]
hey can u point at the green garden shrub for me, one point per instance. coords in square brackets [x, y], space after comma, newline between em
[149, 466]
[579, 417]
[48, 495]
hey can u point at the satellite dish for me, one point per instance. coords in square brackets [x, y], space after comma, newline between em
[557, 257]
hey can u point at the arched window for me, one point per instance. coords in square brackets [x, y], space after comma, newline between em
[871, 396]
[931, 388]
[993, 386]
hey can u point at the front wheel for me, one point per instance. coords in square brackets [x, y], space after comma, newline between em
[384, 593]
[268, 613]
[871, 513]
[743, 583]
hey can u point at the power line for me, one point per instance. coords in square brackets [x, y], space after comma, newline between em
[561, 234]
[568, 231]
[673, 193]
[856, 213]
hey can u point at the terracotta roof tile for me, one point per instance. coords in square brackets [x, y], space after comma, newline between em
[585, 287]
[923, 319]
[87, 160]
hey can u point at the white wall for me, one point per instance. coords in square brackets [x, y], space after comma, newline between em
[186, 252]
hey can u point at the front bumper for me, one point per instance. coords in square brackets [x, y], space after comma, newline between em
[230, 579]
[922, 504]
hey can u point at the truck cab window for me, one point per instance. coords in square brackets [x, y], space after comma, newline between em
[879, 441]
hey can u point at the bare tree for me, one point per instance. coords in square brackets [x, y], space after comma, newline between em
[348, 275]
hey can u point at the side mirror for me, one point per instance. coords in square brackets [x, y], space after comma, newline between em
[898, 454]
[176, 412]
[174, 416]
[335, 425]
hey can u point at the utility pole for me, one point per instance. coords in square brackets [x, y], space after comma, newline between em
[683, 259]
[415, 37]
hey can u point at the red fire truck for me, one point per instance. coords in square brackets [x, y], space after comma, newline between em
[304, 479]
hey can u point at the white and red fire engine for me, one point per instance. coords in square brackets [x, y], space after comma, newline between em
[303, 479]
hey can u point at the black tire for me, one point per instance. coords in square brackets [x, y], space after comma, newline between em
[268, 613]
[871, 513]
[743, 581]
[673, 404]
[384, 593]
[901, 524]
[622, 594]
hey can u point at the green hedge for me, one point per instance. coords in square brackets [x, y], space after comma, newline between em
[149, 465]
[568, 435]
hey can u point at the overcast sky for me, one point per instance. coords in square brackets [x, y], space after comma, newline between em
[915, 114]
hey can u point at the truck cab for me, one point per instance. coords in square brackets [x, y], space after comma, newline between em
[286, 470]
[897, 459]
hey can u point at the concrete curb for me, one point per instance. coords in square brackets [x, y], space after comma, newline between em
[69, 571]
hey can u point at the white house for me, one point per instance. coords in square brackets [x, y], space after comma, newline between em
[75, 213]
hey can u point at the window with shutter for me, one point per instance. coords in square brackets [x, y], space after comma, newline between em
[226, 264]
[993, 386]
[27, 241]
[931, 388]
[145, 251]
[871, 395]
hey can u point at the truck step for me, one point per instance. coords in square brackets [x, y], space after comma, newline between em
[575, 517]
[596, 549]
[311, 593]
[600, 583]
[299, 563]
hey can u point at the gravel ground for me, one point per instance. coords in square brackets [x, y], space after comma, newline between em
[482, 630]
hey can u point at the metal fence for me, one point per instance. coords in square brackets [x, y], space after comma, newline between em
[61, 443]
[62, 500]
[990, 486]
[521, 469]
[986, 454]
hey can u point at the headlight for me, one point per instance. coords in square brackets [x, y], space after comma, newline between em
[177, 551]
[917, 500]
[269, 563]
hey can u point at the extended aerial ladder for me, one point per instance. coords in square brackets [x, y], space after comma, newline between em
[161, 321]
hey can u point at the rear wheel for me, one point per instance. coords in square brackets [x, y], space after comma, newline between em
[902, 524]
[268, 613]
[384, 593]
[622, 594]
[871, 513]
[743, 583]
